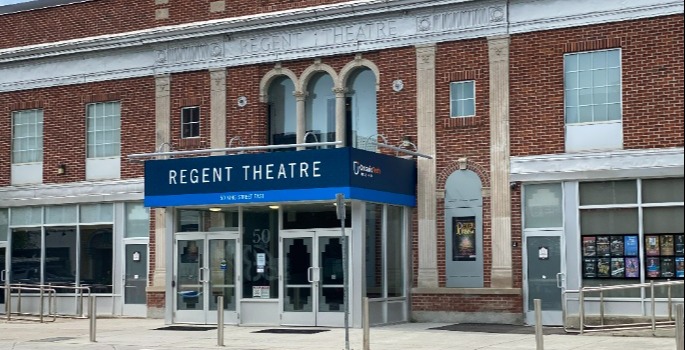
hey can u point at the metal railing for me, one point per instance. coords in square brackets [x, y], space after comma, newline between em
[17, 291]
[599, 292]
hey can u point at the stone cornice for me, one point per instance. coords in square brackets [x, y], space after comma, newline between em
[73, 192]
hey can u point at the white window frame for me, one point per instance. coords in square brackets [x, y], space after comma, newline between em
[92, 136]
[36, 135]
[593, 86]
[190, 123]
[459, 101]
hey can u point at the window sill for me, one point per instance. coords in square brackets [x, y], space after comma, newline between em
[458, 122]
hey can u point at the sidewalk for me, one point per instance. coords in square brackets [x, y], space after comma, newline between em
[142, 334]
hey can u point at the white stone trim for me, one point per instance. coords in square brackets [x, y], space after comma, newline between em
[74, 192]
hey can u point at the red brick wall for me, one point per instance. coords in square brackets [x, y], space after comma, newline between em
[156, 299]
[101, 17]
[467, 303]
[64, 125]
[652, 65]
[190, 89]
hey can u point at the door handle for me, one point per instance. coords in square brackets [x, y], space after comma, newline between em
[2, 276]
[202, 274]
[309, 275]
[317, 274]
[560, 278]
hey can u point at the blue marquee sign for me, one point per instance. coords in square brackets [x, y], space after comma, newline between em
[280, 176]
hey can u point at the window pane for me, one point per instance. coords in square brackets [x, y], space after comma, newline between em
[599, 59]
[469, 108]
[60, 257]
[614, 58]
[395, 250]
[27, 136]
[585, 61]
[614, 76]
[608, 192]
[543, 206]
[571, 63]
[585, 97]
[571, 114]
[585, 79]
[614, 111]
[103, 129]
[662, 190]
[599, 113]
[96, 213]
[663, 220]
[26, 252]
[60, 214]
[25, 216]
[96, 258]
[585, 114]
[260, 238]
[4, 224]
[469, 89]
[375, 276]
[599, 95]
[599, 77]
[137, 220]
[571, 80]
[608, 221]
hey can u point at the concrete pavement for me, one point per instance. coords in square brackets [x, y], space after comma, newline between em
[143, 334]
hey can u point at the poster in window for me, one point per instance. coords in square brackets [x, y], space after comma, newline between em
[464, 238]
[589, 267]
[630, 245]
[589, 246]
[680, 267]
[603, 246]
[617, 246]
[666, 244]
[632, 268]
[680, 245]
[653, 267]
[617, 268]
[603, 267]
[652, 245]
[667, 268]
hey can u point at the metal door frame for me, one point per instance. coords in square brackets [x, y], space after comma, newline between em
[548, 317]
[206, 316]
[315, 317]
[4, 274]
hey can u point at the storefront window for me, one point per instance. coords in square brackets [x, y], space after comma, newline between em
[60, 214]
[632, 240]
[96, 258]
[260, 253]
[93, 213]
[321, 215]
[543, 206]
[4, 224]
[189, 221]
[26, 216]
[374, 250]
[26, 252]
[137, 220]
[395, 251]
[60, 256]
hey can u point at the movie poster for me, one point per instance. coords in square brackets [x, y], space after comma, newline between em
[632, 268]
[680, 245]
[630, 245]
[617, 268]
[464, 238]
[652, 245]
[589, 267]
[617, 246]
[603, 246]
[680, 267]
[589, 246]
[653, 268]
[666, 242]
[667, 268]
[603, 267]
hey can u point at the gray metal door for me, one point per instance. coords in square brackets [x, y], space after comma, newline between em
[543, 275]
[3, 277]
[135, 279]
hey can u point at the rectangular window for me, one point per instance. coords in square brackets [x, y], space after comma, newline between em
[463, 99]
[4, 225]
[592, 86]
[27, 136]
[190, 122]
[103, 125]
[137, 220]
[543, 206]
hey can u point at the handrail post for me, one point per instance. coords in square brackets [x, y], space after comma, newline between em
[539, 343]
[365, 323]
[651, 288]
[670, 303]
[220, 319]
[581, 310]
[679, 336]
[79, 305]
[19, 300]
[40, 300]
[601, 305]
[8, 302]
[93, 317]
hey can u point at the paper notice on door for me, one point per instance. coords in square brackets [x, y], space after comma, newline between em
[262, 292]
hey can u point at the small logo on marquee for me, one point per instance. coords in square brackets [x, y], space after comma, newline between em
[365, 170]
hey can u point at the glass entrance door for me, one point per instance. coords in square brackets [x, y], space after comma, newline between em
[545, 278]
[206, 269]
[312, 283]
[3, 278]
[135, 279]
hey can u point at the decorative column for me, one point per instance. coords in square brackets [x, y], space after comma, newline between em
[162, 143]
[499, 162]
[425, 115]
[340, 115]
[299, 110]
[217, 112]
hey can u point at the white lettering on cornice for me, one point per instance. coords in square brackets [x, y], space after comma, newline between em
[338, 35]
[189, 53]
[459, 19]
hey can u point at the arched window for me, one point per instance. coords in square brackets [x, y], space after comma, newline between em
[361, 109]
[320, 110]
[282, 116]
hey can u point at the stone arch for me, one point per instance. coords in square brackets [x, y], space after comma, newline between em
[317, 67]
[270, 76]
[359, 62]
[458, 164]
